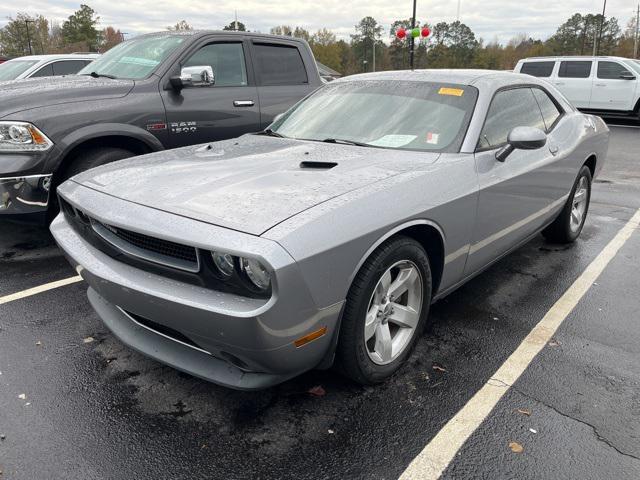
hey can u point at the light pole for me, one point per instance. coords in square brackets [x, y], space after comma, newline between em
[412, 40]
[27, 22]
[604, 8]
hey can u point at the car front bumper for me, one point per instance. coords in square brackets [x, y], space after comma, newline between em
[234, 341]
[24, 195]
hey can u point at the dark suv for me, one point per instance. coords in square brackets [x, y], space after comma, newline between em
[153, 92]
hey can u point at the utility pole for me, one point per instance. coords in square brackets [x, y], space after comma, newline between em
[374, 54]
[604, 8]
[412, 40]
[27, 22]
[635, 43]
[235, 23]
[458, 12]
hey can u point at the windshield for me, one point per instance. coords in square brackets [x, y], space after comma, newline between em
[134, 59]
[635, 64]
[14, 68]
[384, 113]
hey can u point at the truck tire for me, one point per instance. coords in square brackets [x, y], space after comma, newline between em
[84, 160]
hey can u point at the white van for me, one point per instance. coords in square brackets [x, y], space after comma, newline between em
[608, 86]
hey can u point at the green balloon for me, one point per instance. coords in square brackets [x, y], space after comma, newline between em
[415, 33]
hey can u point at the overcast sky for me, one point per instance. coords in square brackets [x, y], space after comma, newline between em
[488, 18]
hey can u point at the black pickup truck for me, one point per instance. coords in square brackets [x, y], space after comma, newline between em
[153, 92]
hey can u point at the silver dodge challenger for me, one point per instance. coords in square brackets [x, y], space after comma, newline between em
[324, 239]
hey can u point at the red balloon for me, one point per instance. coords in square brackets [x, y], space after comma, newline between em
[426, 32]
[401, 33]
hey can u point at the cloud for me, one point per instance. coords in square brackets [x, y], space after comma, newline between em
[489, 19]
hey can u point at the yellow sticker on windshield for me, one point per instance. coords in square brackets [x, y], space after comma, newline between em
[456, 92]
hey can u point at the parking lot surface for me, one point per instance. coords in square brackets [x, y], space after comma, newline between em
[77, 404]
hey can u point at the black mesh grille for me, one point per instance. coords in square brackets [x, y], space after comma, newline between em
[155, 245]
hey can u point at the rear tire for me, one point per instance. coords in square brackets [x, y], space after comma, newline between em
[84, 160]
[385, 312]
[567, 226]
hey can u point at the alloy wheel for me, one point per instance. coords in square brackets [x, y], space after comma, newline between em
[579, 204]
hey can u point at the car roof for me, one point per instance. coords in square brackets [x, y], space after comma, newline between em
[473, 77]
[574, 57]
[194, 33]
[61, 56]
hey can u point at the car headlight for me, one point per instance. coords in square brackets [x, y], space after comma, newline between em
[22, 137]
[251, 273]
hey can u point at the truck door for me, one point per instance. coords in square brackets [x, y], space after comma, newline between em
[226, 109]
[614, 87]
[575, 81]
[281, 76]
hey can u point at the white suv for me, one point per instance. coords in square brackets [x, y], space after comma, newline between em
[608, 86]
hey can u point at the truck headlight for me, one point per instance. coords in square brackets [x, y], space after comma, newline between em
[22, 137]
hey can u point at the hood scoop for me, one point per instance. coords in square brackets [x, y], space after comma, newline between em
[315, 165]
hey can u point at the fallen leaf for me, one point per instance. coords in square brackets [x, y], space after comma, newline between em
[524, 411]
[317, 391]
[439, 368]
[27, 404]
[3, 436]
[516, 447]
[533, 430]
[22, 396]
[38, 343]
[330, 431]
[87, 340]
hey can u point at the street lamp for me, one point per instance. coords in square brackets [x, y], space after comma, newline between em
[27, 22]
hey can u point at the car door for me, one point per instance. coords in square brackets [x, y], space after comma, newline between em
[575, 81]
[226, 109]
[281, 76]
[516, 196]
[610, 90]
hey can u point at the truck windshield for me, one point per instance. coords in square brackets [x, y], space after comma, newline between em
[405, 115]
[14, 68]
[134, 59]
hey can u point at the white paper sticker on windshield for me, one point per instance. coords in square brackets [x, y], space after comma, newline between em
[393, 141]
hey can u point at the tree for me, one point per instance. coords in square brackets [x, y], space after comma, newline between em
[454, 46]
[110, 38]
[80, 28]
[368, 32]
[576, 36]
[284, 30]
[181, 25]
[235, 26]
[15, 41]
[325, 48]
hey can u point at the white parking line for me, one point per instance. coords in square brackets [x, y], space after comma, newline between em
[442, 448]
[40, 289]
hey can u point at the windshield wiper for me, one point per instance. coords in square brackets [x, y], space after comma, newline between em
[100, 75]
[271, 133]
[346, 142]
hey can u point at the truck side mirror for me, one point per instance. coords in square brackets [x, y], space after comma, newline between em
[199, 76]
[522, 138]
[627, 75]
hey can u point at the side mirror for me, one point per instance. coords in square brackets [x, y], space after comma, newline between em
[199, 76]
[522, 138]
[627, 75]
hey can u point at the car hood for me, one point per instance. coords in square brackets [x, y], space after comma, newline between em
[19, 95]
[250, 184]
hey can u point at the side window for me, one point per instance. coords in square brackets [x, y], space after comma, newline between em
[68, 67]
[226, 60]
[575, 69]
[512, 108]
[538, 69]
[46, 71]
[279, 65]
[550, 112]
[611, 70]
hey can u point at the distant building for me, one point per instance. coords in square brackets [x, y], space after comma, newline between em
[327, 73]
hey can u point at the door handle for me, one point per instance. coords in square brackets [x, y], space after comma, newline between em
[601, 84]
[243, 103]
[559, 83]
[553, 149]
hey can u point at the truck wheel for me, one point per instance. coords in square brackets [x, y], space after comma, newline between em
[567, 227]
[385, 312]
[84, 160]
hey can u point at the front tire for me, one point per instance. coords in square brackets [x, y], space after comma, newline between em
[567, 226]
[385, 312]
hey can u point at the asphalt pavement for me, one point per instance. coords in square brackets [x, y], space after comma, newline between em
[76, 404]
